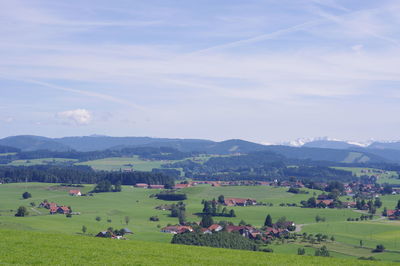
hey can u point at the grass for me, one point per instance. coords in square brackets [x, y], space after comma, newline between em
[7, 153]
[390, 177]
[371, 233]
[40, 161]
[19, 247]
[116, 163]
[138, 206]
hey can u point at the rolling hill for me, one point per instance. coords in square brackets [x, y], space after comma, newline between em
[23, 247]
[32, 143]
[318, 150]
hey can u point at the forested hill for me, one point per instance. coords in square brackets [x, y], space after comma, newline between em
[79, 175]
[7, 149]
[33, 143]
[100, 144]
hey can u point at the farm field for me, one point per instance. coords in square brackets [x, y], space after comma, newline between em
[40, 161]
[116, 163]
[390, 177]
[138, 206]
[7, 153]
[18, 247]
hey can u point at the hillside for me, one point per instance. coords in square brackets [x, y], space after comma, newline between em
[234, 146]
[22, 247]
[32, 143]
[324, 154]
[330, 144]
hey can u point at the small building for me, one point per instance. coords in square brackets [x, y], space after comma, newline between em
[239, 202]
[326, 202]
[215, 227]
[156, 186]
[53, 210]
[63, 210]
[142, 185]
[75, 192]
[176, 229]
[180, 186]
[349, 204]
[393, 214]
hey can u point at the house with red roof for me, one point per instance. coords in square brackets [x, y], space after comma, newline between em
[180, 186]
[393, 214]
[215, 227]
[75, 192]
[156, 186]
[176, 229]
[326, 202]
[63, 210]
[142, 185]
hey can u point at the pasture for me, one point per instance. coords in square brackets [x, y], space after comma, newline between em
[18, 247]
[390, 177]
[137, 204]
[41, 161]
[117, 163]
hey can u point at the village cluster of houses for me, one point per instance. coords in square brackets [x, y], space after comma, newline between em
[244, 230]
[54, 208]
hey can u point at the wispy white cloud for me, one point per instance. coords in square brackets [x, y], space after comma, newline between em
[76, 117]
[141, 65]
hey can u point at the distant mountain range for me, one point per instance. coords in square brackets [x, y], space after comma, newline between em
[317, 149]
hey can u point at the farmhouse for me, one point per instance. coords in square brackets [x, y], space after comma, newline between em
[156, 186]
[179, 186]
[142, 185]
[63, 210]
[349, 204]
[75, 192]
[239, 202]
[285, 225]
[393, 214]
[215, 227]
[326, 202]
[245, 231]
[108, 234]
[275, 232]
[176, 229]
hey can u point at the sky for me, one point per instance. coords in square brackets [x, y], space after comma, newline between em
[265, 71]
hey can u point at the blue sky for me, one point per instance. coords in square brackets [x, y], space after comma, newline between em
[264, 71]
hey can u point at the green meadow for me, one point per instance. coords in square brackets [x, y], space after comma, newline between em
[137, 204]
[116, 163]
[19, 247]
[40, 161]
[390, 177]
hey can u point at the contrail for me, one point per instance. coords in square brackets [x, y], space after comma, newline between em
[325, 17]
[82, 92]
[262, 37]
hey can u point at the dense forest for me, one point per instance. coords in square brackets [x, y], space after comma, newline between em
[150, 153]
[216, 239]
[78, 175]
[259, 166]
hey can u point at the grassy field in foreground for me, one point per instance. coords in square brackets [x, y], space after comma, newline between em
[19, 247]
[138, 206]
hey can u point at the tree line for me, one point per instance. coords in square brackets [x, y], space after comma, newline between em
[78, 175]
[216, 239]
